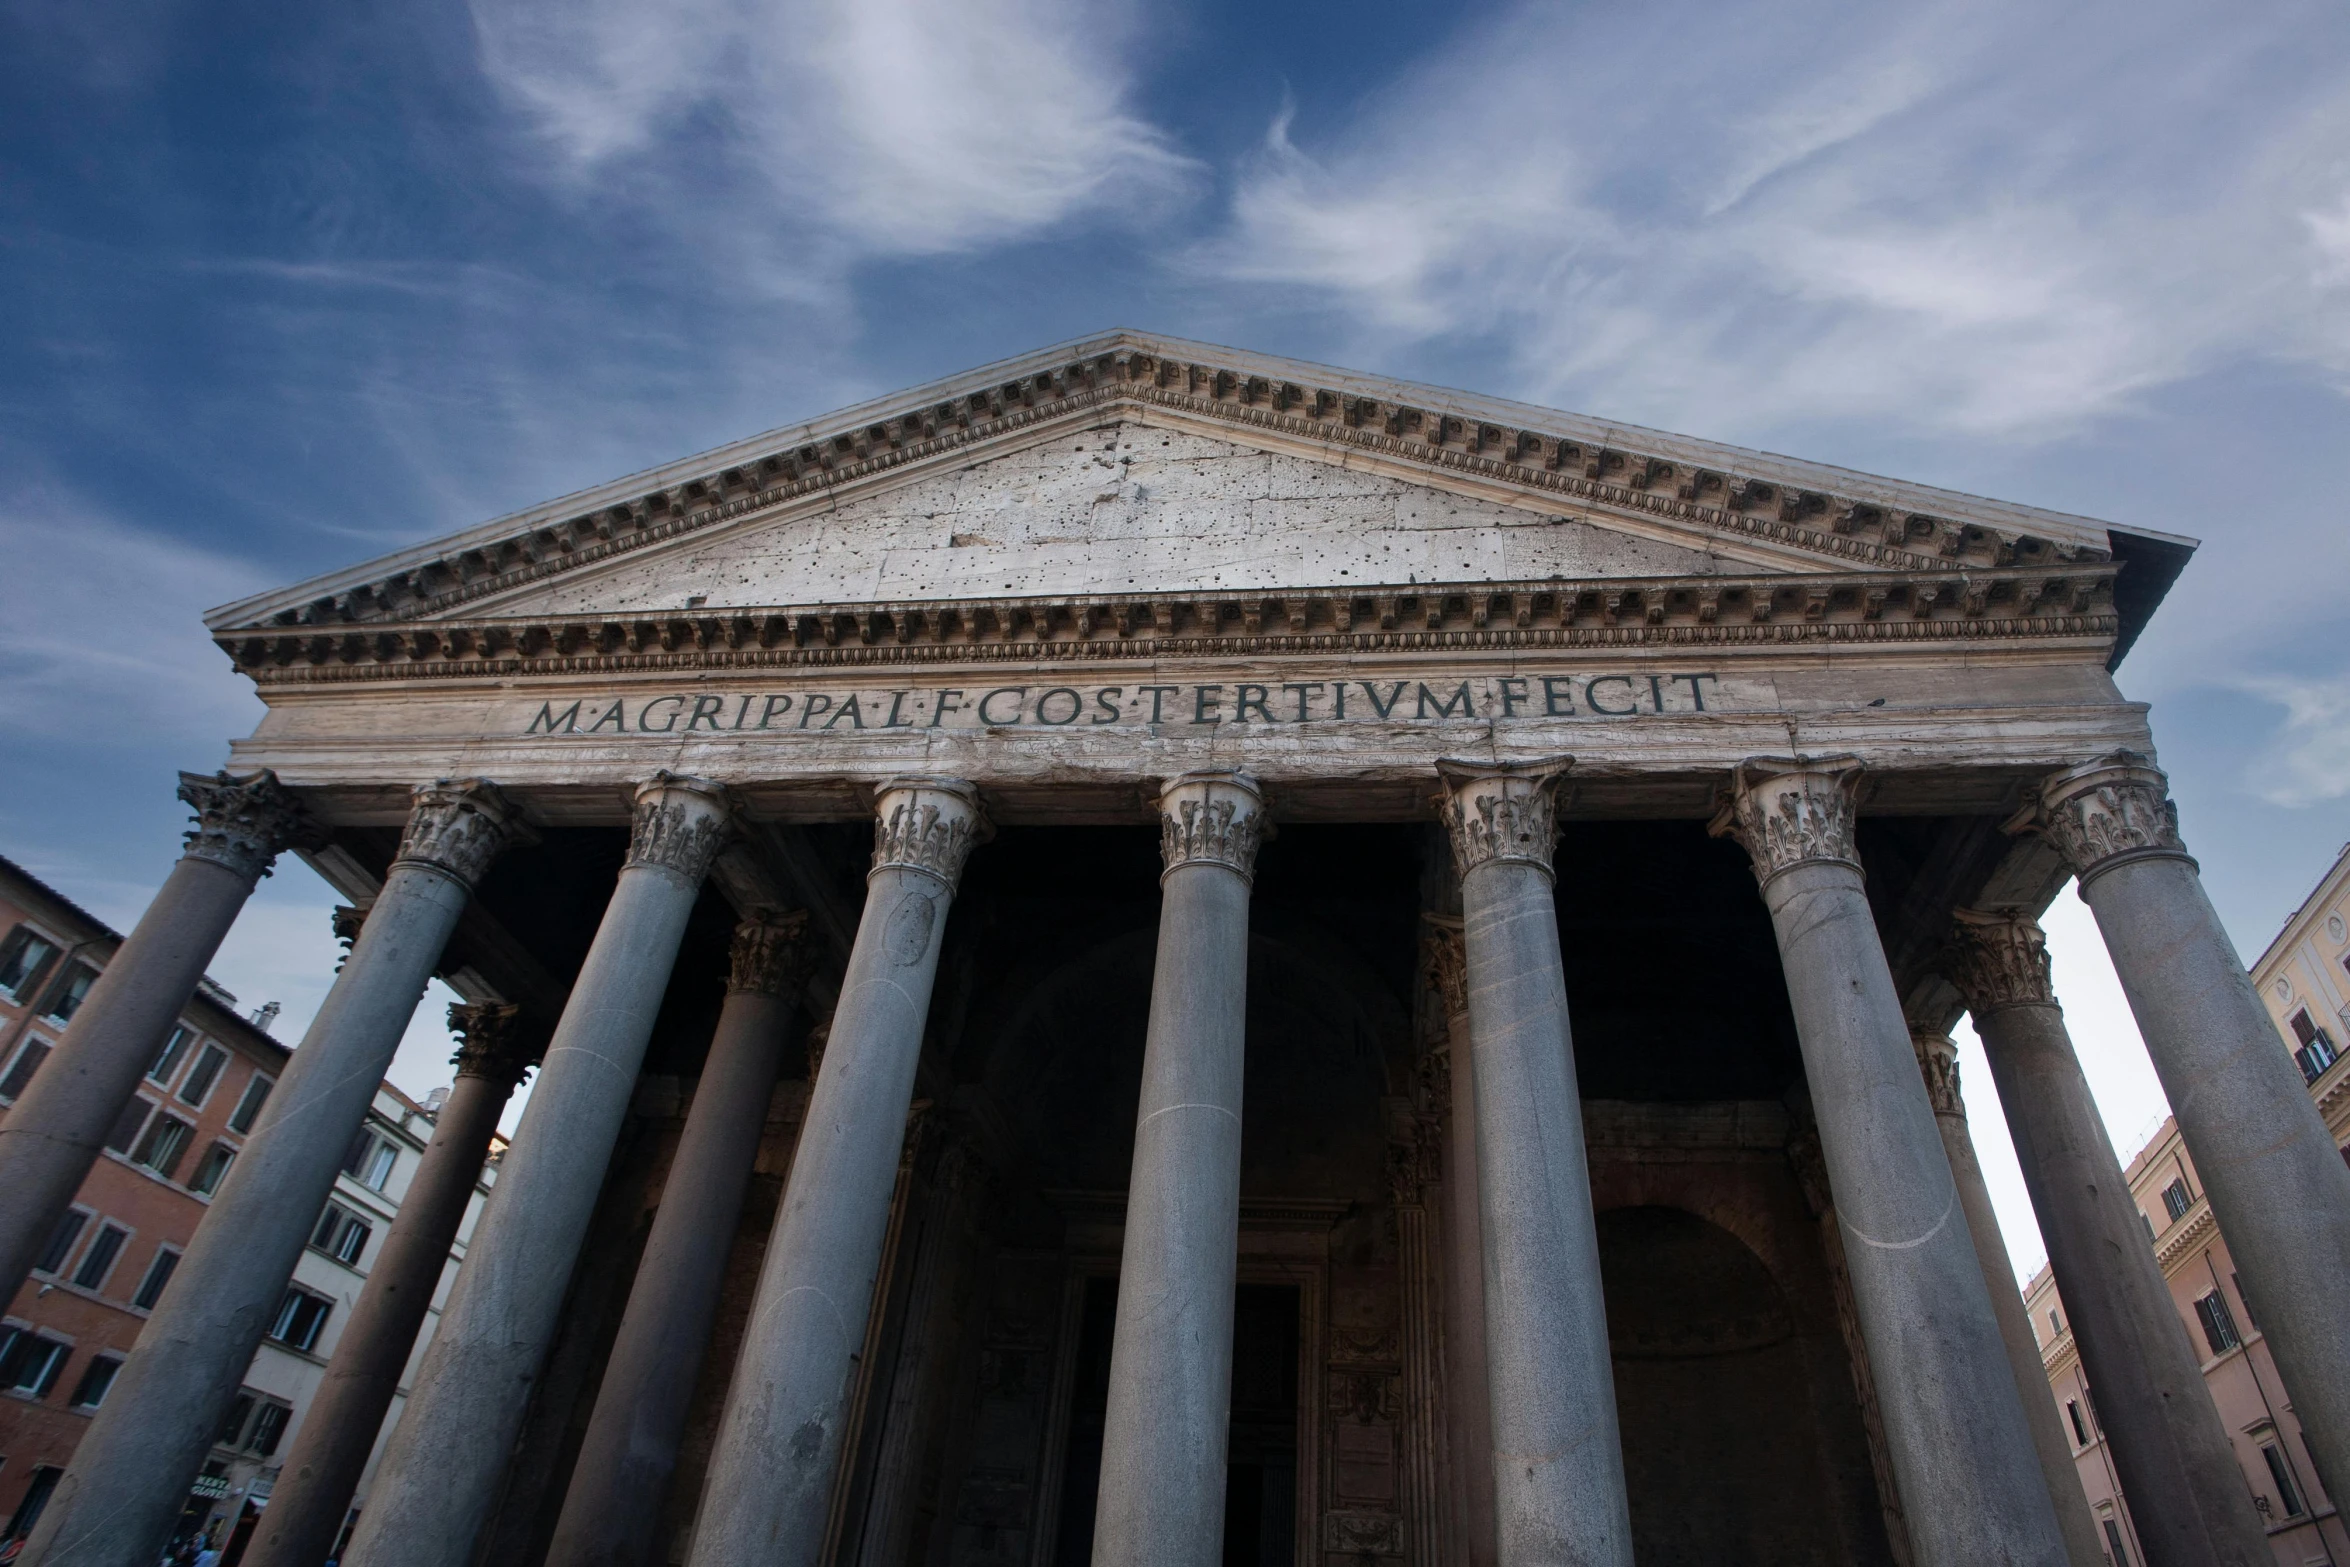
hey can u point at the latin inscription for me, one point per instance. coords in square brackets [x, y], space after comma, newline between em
[1485, 698]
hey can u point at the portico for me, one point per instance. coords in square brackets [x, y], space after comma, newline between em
[1355, 952]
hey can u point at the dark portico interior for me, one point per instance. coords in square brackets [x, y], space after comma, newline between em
[978, 1413]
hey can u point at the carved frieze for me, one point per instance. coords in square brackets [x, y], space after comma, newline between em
[1793, 811]
[459, 825]
[770, 955]
[680, 824]
[2108, 812]
[927, 824]
[242, 824]
[1211, 818]
[495, 1041]
[1938, 1065]
[1998, 958]
[1501, 814]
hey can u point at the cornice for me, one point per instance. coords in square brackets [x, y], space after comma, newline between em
[2074, 602]
[2187, 1233]
[1835, 515]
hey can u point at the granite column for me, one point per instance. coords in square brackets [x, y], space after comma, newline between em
[440, 1475]
[612, 1509]
[768, 1497]
[1164, 1436]
[1961, 1452]
[1938, 1064]
[1556, 1459]
[2177, 1466]
[52, 1134]
[129, 1476]
[313, 1496]
[2276, 1181]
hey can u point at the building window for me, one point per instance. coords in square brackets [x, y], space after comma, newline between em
[2287, 1492]
[21, 1070]
[341, 1235]
[2149, 1223]
[248, 1108]
[2113, 1543]
[2219, 1324]
[36, 1497]
[168, 1059]
[158, 1275]
[2055, 1324]
[370, 1160]
[126, 1125]
[97, 1377]
[29, 1363]
[255, 1424]
[2072, 1412]
[61, 1239]
[67, 995]
[166, 1139]
[2316, 1049]
[2251, 1317]
[300, 1316]
[203, 1075]
[24, 958]
[98, 1261]
[2175, 1201]
[211, 1168]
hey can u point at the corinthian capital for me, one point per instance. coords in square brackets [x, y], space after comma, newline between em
[1793, 811]
[770, 954]
[1938, 1065]
[459, 825]
[680, 824]
[494, 1041]
[2106, 813]
[1211, 818]
[241, 823]
[1446, 958]
[927, 824]
[1997, 958]
[1497, 812]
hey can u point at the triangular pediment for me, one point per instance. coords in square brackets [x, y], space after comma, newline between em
[1232, 474]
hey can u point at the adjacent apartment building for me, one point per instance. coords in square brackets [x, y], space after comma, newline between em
[2304, 976]
[66, 1333]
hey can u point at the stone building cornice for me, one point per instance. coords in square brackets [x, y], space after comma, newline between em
[2070, 602]
[1813, 515]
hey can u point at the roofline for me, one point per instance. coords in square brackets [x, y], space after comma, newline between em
[2301, 917]
[249, 1032]
[1770, 466]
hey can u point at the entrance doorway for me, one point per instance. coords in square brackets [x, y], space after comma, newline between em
[1260, 1485]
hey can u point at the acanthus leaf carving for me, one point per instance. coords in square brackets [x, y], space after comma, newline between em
[1211, 818]
[1793, 811]
[679, 825]
[929, 825]
[1501, 813]
[242, 824]
[460, 825]
[770, 955]
[2105, 812]
[1998, 958]
[495, 1041]
[1938, 1065]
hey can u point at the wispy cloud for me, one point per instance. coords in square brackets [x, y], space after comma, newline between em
[1972, 218]
[2307, 761]
[899, 127]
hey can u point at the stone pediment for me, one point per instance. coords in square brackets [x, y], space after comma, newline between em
[1194, 486]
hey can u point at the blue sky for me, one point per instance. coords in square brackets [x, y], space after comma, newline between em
[282, 288]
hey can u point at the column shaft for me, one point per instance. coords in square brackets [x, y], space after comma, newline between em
[1938, 1060]
[441, 1472]
[53, 1134]
[313, 1496]
[612, 1509]
[1557, 1462]
[1164, 1437]
[129, 1477]
[2177, 1466]
[769, 1492]
[1961, 1452]
[1469, 1414]
[2276, 1182]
